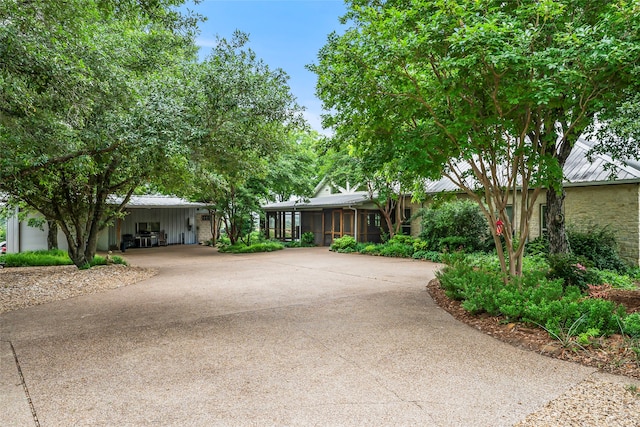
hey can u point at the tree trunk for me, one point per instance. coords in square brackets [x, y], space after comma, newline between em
[52, 235]
[556, 232]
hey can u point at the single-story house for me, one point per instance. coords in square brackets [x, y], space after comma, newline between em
[150, 220]
[600, 192]
[329, 214]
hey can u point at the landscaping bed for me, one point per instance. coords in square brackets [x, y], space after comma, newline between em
[612, 354]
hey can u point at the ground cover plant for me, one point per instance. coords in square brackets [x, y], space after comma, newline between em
[51, 258]
[254, 243]
[241, 248]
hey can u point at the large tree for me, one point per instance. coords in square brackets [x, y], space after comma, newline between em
[90, 106]
[490, 94]
[244, 118]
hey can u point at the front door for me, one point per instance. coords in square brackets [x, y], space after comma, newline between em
[337, 223]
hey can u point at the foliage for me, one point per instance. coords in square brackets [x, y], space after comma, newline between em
[537, 246]
[489, 94]
[573, 270]
[53, 257]
[240, 248]
[344, 244]
[631, 325]
[245, 123]
[428, 255]
[371, 249]
[90, 107]
[598, 245]
[616, 280]
[294, 171]
[308, 239]
[562, 310]
[37, 258]
[453, 226]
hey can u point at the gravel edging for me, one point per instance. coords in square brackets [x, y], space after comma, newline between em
[22, 287]
[596, 401]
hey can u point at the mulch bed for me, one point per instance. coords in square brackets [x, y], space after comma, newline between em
[613, 354]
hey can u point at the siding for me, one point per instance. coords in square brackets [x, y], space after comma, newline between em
[172, 220]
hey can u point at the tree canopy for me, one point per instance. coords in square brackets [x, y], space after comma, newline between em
[90, 106]
[489, 94]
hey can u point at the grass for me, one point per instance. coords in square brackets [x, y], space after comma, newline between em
[52, 258]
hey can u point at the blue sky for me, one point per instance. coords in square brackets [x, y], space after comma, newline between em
[285, 34]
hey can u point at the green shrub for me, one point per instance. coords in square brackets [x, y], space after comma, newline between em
[573, 270]
[451, 225]
[428, 255]
[598, 245]
[100, 260]
[371, 249]
[241, 248]
[402, 240]
[534, 298]
[395, 249]
[344, 244]
[308, 239]
[616, 280]
[631, 325]
[420, 245]
[537, 246]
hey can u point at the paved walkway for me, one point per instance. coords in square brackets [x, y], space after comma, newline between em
[298, 337]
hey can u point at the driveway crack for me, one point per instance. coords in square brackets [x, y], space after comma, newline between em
[24, 385]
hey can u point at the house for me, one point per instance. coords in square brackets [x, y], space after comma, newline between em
[599, 192]
[328, 214]
[150, 220]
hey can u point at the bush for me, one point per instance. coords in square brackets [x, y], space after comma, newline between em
[454, 225]
[428, 256]
[395, 249]
[241, 248]
[371, 249]
[618, 281]
[573, 270]
[100, 260]
[344, 244]
[534, 298]
[598, 245]
[308, 239]
[631, 325]
[537, 246]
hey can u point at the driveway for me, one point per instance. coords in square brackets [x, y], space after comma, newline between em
[296, 337]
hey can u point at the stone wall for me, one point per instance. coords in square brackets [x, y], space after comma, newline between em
[203, 227]
[614, 205]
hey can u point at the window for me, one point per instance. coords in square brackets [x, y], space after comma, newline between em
[509, 211]
[543, 220]
[406, 223]
[147, 227]
[373, 220]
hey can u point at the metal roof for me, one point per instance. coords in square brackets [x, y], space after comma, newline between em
[334, 200]
[157, 201]
[579, 170]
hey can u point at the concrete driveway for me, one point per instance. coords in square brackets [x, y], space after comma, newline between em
[296, 337]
